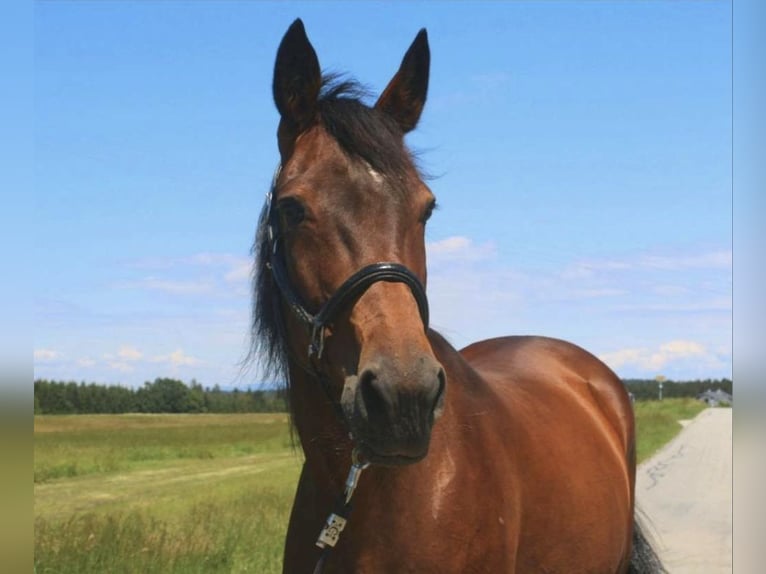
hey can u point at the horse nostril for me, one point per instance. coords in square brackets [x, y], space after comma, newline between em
[438, 404]
[373, 395]
[385, 397]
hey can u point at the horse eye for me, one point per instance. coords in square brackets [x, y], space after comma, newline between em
[291, 212]
[429, 210]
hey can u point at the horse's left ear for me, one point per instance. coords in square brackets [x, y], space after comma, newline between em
[405, 95]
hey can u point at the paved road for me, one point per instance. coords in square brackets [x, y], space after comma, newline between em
[685, 491]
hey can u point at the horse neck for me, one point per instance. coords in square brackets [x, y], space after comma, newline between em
[325, 441]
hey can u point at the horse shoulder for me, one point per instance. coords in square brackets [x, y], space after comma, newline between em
[520, 367]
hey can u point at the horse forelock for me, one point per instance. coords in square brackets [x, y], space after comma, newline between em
[365, 132]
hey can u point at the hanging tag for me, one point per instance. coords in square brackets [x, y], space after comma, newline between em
[331, 531]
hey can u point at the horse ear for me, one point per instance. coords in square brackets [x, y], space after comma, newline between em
[297, 78]
[405, 95]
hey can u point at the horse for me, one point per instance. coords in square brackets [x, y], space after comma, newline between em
[514, 454]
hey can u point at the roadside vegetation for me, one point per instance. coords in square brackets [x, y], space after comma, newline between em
[657, 422]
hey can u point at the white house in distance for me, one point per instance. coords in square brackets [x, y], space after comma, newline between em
[715, 398]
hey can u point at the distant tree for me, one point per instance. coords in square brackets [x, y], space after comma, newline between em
[162, 395]
[196, 400]
[173, 396]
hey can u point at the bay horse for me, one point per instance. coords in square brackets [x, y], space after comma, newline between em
[514, 454]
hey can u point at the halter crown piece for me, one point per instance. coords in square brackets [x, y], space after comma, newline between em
[349, 291]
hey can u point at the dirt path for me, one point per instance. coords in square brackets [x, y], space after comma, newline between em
[685, 490]
[177, 480]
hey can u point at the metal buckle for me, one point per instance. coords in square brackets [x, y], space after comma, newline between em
[316, 346]
[357, 466]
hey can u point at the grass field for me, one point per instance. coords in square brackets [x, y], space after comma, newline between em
[162, 493]
[189, 493]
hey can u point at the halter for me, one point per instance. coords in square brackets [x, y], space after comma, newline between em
[349, 291]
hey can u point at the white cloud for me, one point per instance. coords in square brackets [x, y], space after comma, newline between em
[177, 359]
[458, 249]
[201, 274]
[622, 357]
[46, 355]
[124, 360]
[681, 348]
[85, 362]
[719, 259]
[239, 272]
[662, 357]
[125, 354]
[588, 269]
[128, 353]
[710, 260]
[128, 359]
[208, 259]
[692, 305]
[203, 259]
[172, 287]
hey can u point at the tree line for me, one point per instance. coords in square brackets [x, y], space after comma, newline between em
[648, 389]
[173, 396]
[163, 395]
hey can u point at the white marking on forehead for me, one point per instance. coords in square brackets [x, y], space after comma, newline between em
[374, 174]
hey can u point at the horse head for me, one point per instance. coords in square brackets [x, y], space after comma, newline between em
[344, 241]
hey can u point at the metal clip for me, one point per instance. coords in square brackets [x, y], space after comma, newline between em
[316, 346]
[353, 474]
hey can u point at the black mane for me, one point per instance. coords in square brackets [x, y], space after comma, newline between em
[363, 133]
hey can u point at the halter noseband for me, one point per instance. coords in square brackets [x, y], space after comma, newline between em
[351, 289]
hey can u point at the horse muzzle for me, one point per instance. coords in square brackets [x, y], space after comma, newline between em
[392, 408]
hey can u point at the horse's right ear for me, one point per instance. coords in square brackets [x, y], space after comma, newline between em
[297, 79]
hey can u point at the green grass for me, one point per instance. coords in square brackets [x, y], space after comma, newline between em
[75, 445]
[162, 493]
[657, 422]
[189, 493]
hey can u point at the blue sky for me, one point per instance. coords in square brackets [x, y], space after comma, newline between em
[581, 154]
